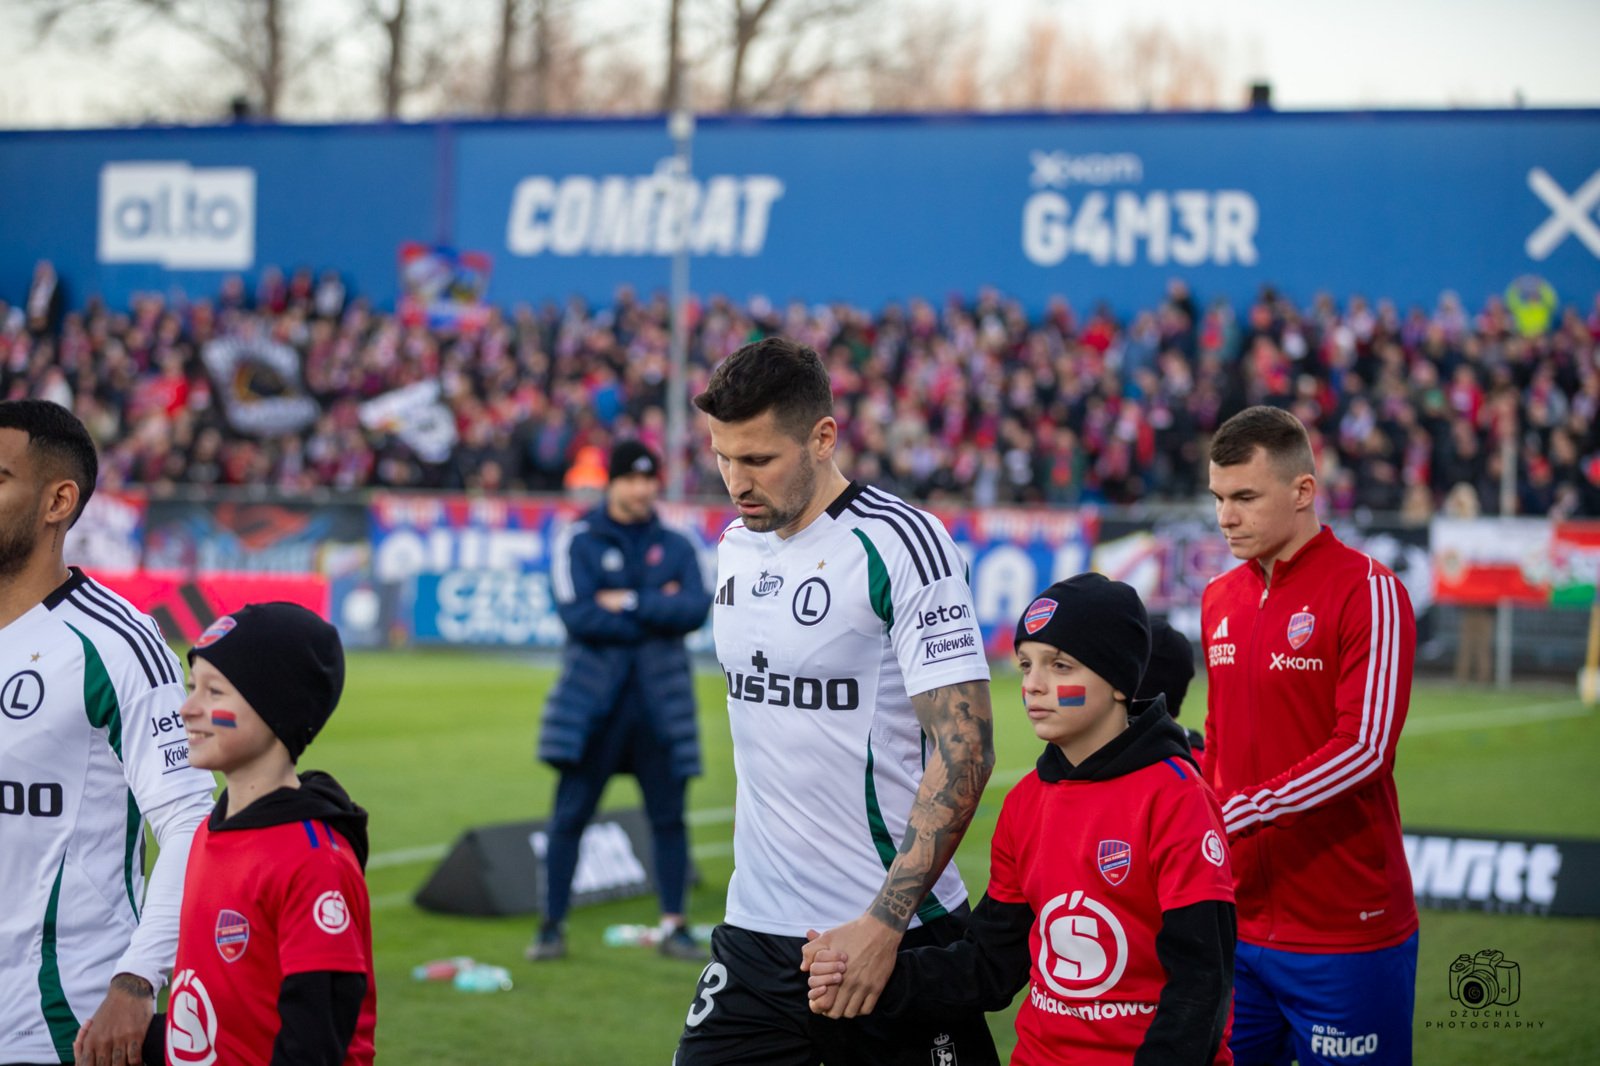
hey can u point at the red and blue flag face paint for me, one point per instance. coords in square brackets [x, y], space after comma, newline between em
[1070, 695]
[229, 720]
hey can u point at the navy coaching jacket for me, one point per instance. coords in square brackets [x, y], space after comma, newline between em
[635, 655]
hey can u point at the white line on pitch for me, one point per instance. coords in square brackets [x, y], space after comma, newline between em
[1503, 716]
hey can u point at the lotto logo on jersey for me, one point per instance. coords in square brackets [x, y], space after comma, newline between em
[1115, 859]
[331, 912]
[191, 1022]
[1083, 949]
[1039, 614]
[1301, 625]
[233, 935]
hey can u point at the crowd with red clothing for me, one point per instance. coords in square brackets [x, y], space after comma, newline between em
[968, 401]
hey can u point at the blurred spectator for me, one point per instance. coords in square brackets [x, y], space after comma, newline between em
[952, 402]
[1475, 643]
[45, 300]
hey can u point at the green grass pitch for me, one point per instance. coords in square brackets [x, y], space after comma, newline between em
[434, 742]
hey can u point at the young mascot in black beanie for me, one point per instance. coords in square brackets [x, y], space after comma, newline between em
[1110, 892]
[275, 939]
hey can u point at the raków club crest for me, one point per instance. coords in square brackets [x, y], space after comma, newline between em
[1301, 625]
[1114, 859]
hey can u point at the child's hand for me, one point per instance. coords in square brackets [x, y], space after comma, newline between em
[826, 968]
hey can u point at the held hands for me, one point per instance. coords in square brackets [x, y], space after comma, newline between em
[868, 946]
[826, 967]
[115, 1035]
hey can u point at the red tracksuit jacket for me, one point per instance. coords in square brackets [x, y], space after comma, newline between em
[1309, 684]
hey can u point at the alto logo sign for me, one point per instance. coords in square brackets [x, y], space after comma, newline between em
[178, 216]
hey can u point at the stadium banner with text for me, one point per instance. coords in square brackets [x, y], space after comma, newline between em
[1531, 561]
[277, 537]
[1171, 560]
[864, 209]
[1453, 869]
[183, 604]
[474, 570]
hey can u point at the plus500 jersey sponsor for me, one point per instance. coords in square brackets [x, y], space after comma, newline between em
[806, 693]
[181, 217]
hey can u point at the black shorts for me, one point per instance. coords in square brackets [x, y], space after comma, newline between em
[751, 1007]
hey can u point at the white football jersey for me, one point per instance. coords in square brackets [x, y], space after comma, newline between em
[89, 737]
[823, 639]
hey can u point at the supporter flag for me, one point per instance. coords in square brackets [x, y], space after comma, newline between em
[415, 415]
[258, 380]
[442, 287]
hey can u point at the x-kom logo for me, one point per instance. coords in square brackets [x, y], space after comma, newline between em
[1572, 215]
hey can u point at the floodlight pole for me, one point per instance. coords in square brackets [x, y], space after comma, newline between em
[680, 124]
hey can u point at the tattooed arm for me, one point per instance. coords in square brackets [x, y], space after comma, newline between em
[959, 722]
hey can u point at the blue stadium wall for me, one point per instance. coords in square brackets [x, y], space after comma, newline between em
[862, 209]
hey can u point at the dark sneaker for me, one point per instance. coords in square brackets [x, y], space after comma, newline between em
[551, 943]
[679, 943]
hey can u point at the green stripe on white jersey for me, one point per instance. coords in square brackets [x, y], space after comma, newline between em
[823, 638]
[89, 735]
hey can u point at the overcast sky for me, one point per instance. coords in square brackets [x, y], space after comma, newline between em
[1349, 54]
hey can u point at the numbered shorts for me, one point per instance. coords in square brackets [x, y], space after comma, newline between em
[751, 1007]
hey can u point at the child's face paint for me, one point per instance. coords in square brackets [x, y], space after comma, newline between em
[224, 732]
[1068, 704]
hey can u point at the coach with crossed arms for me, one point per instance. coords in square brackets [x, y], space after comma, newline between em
[91, 748]
[1309, 646]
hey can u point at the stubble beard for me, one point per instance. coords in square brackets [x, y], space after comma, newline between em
[783, 513]
[17, 543]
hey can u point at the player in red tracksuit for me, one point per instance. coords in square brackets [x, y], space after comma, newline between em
[1109, 894]
[275, 939]
[1309, 646]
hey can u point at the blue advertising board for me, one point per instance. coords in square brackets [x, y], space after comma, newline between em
[861, 209]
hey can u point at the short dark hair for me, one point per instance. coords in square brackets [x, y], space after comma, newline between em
[774, 374]
[1279, 433]
[58, 440]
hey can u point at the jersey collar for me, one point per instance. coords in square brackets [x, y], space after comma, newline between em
[1284, 568]
[54, 600]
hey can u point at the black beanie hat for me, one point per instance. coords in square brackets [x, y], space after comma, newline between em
[633, 457]
[1171, 666]
[287, 662]
[1099, 622]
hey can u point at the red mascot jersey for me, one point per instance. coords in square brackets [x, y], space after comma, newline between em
[258, 905]
[1098, 861]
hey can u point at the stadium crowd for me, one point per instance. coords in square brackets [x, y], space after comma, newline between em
[966, 401]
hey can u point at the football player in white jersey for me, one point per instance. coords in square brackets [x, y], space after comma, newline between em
[91, 747]
[858, 700]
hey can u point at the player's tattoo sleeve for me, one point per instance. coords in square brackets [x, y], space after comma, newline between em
[959, 724]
